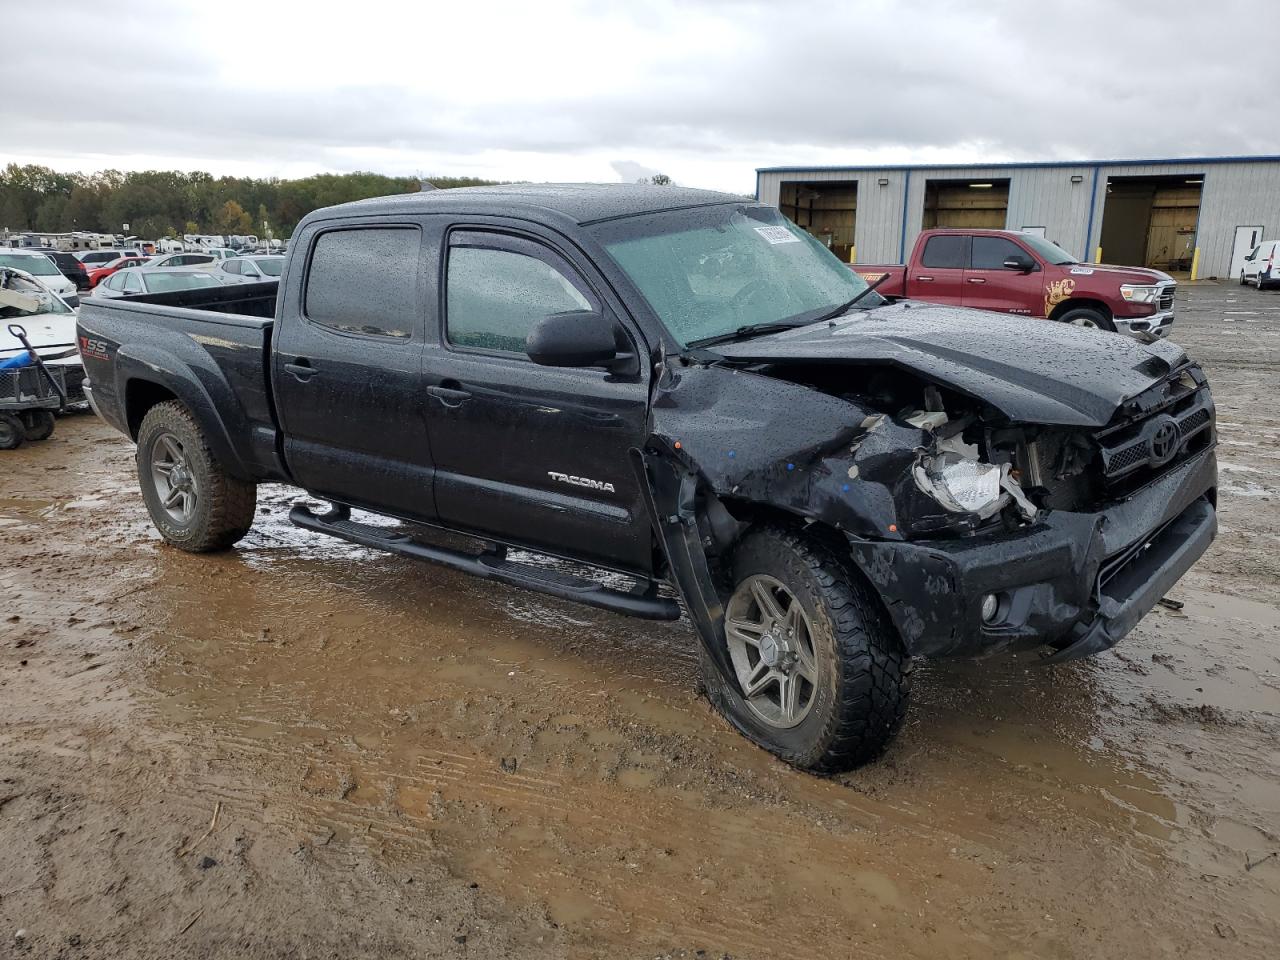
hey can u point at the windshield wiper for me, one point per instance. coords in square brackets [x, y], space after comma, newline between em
[848, 305]
[745, 332]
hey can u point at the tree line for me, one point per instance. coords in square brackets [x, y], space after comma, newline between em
[167, 203]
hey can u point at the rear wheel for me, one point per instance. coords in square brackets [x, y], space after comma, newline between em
[37, 424]
[11, 432]
[1087, 317]
[194, 503]
[823, 679]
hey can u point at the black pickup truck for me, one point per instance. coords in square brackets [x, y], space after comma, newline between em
[696, 405]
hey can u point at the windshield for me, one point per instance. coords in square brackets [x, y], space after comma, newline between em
[271, 268]
[33, 300]
[164, 282]
[1048, 251]
[709, 271]
[36, 264]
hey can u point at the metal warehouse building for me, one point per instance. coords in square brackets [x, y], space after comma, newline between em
[1194, 217]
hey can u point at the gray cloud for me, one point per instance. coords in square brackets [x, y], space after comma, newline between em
[759, 83]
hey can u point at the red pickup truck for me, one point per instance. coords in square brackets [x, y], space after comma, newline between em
[1012, 272]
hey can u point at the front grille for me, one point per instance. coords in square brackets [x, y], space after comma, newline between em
[1135, 452]
[1166, 298]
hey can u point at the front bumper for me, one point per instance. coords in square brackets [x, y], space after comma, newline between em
[1076, 581]
[1154, 327]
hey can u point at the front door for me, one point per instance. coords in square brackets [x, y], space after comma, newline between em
[531, 454]
[990, 285]
[1246, 239]
[346, 365]
[939, 276]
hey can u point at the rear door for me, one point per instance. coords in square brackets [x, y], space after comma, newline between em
[346, 364]
[531, 454]
[939, 276]
[989, 285]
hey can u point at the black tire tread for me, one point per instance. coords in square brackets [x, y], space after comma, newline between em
[232, 502]
[16, 432]
[875, 670]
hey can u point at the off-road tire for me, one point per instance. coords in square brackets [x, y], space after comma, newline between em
[224, 505]
[11, 432]
[1100, 319]
[861, 700]
[37, 424]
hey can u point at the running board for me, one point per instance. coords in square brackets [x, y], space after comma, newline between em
[492, 565]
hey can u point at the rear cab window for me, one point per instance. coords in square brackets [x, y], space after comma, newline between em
[364, 281]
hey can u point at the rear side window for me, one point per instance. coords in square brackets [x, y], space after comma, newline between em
[945, 251]
[365, 281]
[990, 253]
[496, 296]
[232, 266]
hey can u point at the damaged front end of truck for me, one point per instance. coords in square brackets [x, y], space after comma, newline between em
[980, 528]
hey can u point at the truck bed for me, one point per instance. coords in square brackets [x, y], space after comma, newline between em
[210, 347]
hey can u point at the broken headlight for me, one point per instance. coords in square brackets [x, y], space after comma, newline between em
[961, 485]
[964, 485]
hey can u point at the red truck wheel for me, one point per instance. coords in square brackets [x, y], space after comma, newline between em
[1088, 317]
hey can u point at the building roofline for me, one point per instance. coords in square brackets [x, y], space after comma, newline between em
[1019, 165]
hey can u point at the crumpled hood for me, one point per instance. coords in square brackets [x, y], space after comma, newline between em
[1033, 371]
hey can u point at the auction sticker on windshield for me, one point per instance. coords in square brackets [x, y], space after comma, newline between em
[777, 234]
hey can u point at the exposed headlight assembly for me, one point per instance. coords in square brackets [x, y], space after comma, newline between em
[1137, 293]
[962, 485]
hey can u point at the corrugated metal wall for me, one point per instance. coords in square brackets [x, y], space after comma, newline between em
[1235, 193]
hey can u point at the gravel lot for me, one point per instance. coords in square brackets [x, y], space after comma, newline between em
[305, 749]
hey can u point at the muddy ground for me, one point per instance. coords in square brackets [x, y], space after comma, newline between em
[301, 748]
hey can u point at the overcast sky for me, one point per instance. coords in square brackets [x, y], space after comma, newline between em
[703, 91]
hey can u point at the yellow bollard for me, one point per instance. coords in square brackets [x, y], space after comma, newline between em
[1195, 263]
[853, 253]
[1098, 258]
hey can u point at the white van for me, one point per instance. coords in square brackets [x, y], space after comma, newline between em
[1260, 267]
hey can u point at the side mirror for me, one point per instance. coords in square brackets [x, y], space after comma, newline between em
[1020, 262]
[579, 338]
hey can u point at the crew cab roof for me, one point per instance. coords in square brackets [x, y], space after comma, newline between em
[583, 203]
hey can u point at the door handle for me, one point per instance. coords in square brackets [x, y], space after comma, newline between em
[301, 369]
[449, 396]
[977, 279]
[925, 279]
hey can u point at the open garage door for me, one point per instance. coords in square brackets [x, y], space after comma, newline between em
[827, 209]
[1151, 221]
[972, 204]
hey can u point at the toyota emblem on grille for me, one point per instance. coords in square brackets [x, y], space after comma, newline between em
[1164, 442]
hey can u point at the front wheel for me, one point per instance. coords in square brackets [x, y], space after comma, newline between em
[1088, 317]
[822, 676]
[195, 504]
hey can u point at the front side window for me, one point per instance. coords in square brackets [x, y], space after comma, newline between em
[232, 267]
[990, 253]
[945, 252]
[269, 268]
[495, 296]
[365, 281]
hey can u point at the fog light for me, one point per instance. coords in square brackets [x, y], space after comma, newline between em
[990, 608]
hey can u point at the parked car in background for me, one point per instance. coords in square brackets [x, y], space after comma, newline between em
[41, 266]
[136, 280]
[250, 269]
[68, 263]
[1013, 272]
[223, 253]
[98, 274]
[98, 258]
[49, 323]
[1260, 265]
[182, 260]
